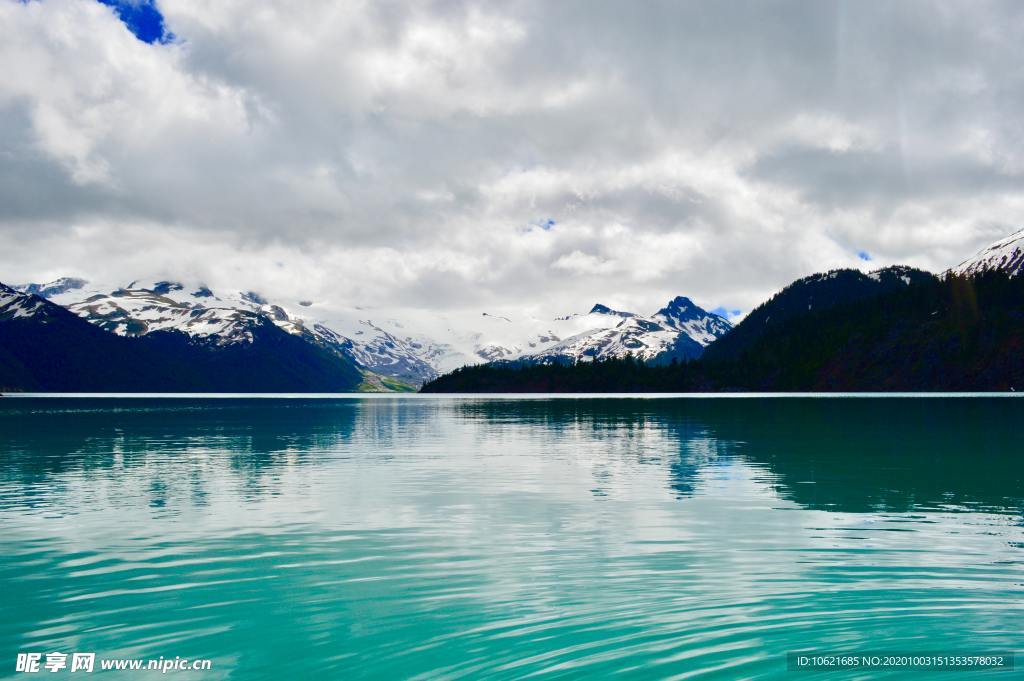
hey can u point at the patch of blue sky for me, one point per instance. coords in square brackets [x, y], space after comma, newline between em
[546, 224]
[728, 313]
[143, 19]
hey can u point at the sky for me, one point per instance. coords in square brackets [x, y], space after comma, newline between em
[525, 157]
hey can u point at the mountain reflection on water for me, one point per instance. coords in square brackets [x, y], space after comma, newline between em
[498, 537]
[852, 455]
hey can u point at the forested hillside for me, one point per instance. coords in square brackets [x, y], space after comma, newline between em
[955, 333]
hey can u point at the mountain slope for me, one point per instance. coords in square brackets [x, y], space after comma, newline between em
[814, 293]
[700, 325]
[680, 330]
[44, 347]
[451, 340]
[955, 334]
[1006, 255]
[53, 288]
[141, 308]
[412, 348]
[952, 334]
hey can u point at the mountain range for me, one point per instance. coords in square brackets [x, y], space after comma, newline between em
[896, 328]
[47, 348]
[163, 335]
[387, 352]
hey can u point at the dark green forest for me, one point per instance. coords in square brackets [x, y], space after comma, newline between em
[951, 333]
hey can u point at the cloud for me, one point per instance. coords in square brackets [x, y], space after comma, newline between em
[457, 154]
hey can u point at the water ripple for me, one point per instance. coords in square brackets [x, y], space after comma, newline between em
[470, 539]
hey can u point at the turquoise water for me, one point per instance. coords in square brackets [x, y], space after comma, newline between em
[468, 538]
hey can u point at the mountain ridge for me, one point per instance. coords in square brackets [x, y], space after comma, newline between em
[1006, 255]
[385, 347]
[191, 323]
[45, 347]
[817, 291]
[956, 333]
[894, 328]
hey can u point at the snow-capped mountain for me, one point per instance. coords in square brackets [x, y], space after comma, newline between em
[683, 315]
[227, 318]
[1006, 255]
[47, 347]
[54, 288]
[386, 347]
[679, 330]
[450, 340]
[16, 304]
[373, 348]
[410, 345]
[139, 308]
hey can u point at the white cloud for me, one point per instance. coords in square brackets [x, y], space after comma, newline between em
[405, 155]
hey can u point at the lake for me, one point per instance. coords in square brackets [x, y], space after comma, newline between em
[472, 537]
